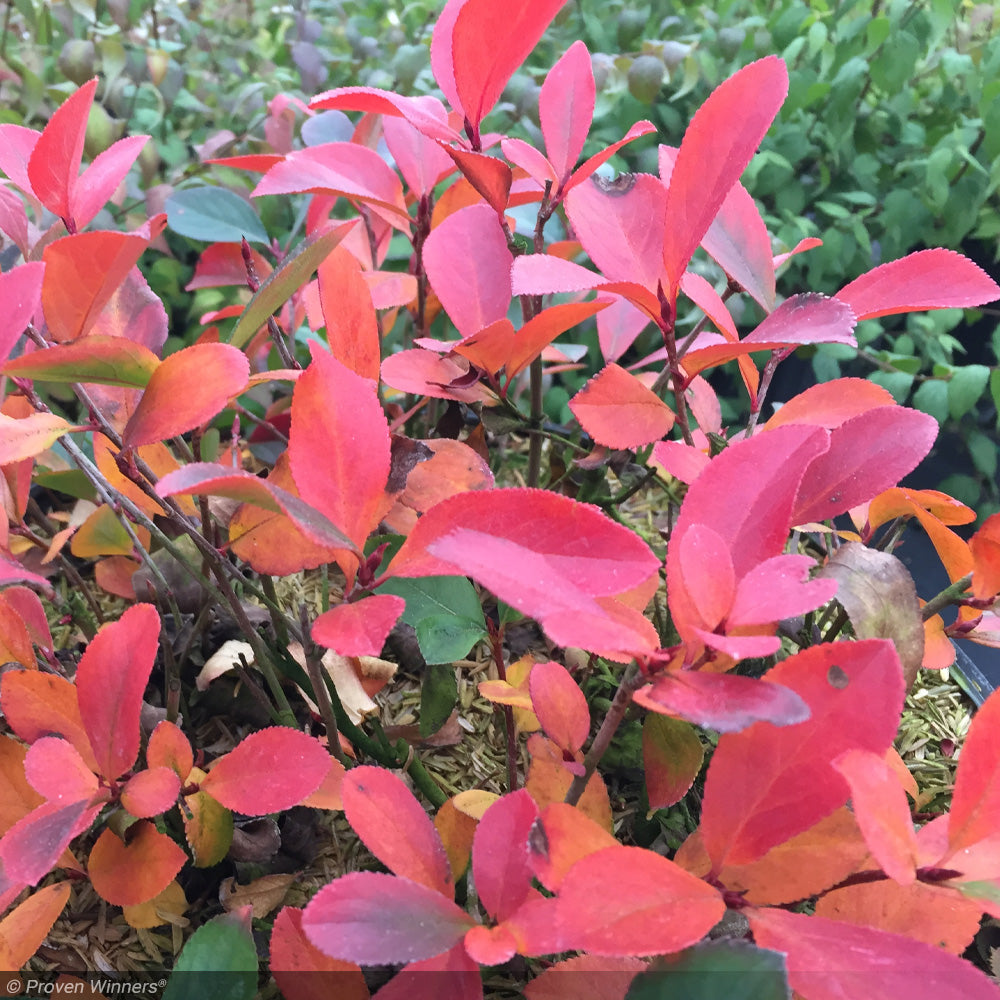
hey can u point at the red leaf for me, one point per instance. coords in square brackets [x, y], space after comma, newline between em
[867, 454]
[371, 918]
[559, 704]
[361, 628]
[110, 682]
[488, 349]
[222, 264]
[655, 907]
[339, 449]
[83, 272]
[566, 109]
[36, 705]
[985, 548]
[618, 411]
[56, 771]
[187, 390]
[468, 265]
[482, 71]
[622, 231]
[880, 808]
[31, 847]
[221, 480]
[727, 703]
[108, 360]
[975, 804]
[927, 279]
[292, 954]
[830, 960]
[92, 189]
[127, 874]
[151, 792]
[55, 160]
[500, 856]
[766, 784]
[395, 828]
[442, 58]
[587, 168]
[20, 290]
[340, 168]
[717, 146]
[489, 176]
[351, 325]
[271, 770]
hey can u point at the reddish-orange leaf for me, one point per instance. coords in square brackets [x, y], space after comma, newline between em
[655, 907]
[559, 704]
[339, 449]
[151, 792]
[768, 783]
[114, 575]
[15, 640]
[187, 390]
[672, 756]
[301, 970]
[935, 914]
[830, 404]
[831, 960]
[222, 264]
[157, 456]
[37, 705]
[351, 325]
[395, 828]
[542, 329]
[269, 771]
[82, 273]
[110, 682]
[585, 977]
[569, 835]
[881, 810]
[490, 945]
[131, 872]
[985, 547]
[617, 410]
[58, 772]
[169, 747]
[975, 804]
[361, 628]
[28, 925]
[490, 176]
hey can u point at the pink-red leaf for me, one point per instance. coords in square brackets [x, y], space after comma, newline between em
[151, 792]
[110, 682]
[55, 160]
[56, 771]
[468, 265]
[727, 703]
[500, 856]
[559, 704]
[20, 291]
[420, 160]
[16, 144]
[482, 71]
[271, 770]
[566, 108]
[766, 784]
[187, 390]
[654, 907]
[371, 918]
[927, 279]
[91, 190]
[879, 805]
[361, 628]
[717, 146]
[31, 847]
[426, 114]
[831, 960]
[132, 872]
[867, 454]
[339, 449]
[395, 828]
[618, 411]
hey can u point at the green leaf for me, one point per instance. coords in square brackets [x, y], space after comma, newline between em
[219, 962]
[932, 398]
[897, 383]
[293, 272]
[983, 450]
[718, 970]
[444, 611]
[438, 697]
[965, 387]
[995, 391]
[214, 215]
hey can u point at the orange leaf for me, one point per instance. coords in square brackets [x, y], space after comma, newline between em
[28, 925]
[569, 835]
[549, 781]
[456, 828]
[169, 747]
[114, 575]
[559, 704]
[154, 912]
[187, 390]
[157, 456]
[19, 798]
[127, 874]
[328, 796]
[351, 325]
[15, 640]
[985, 546]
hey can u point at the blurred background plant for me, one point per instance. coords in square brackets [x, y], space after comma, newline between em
[889, 140]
